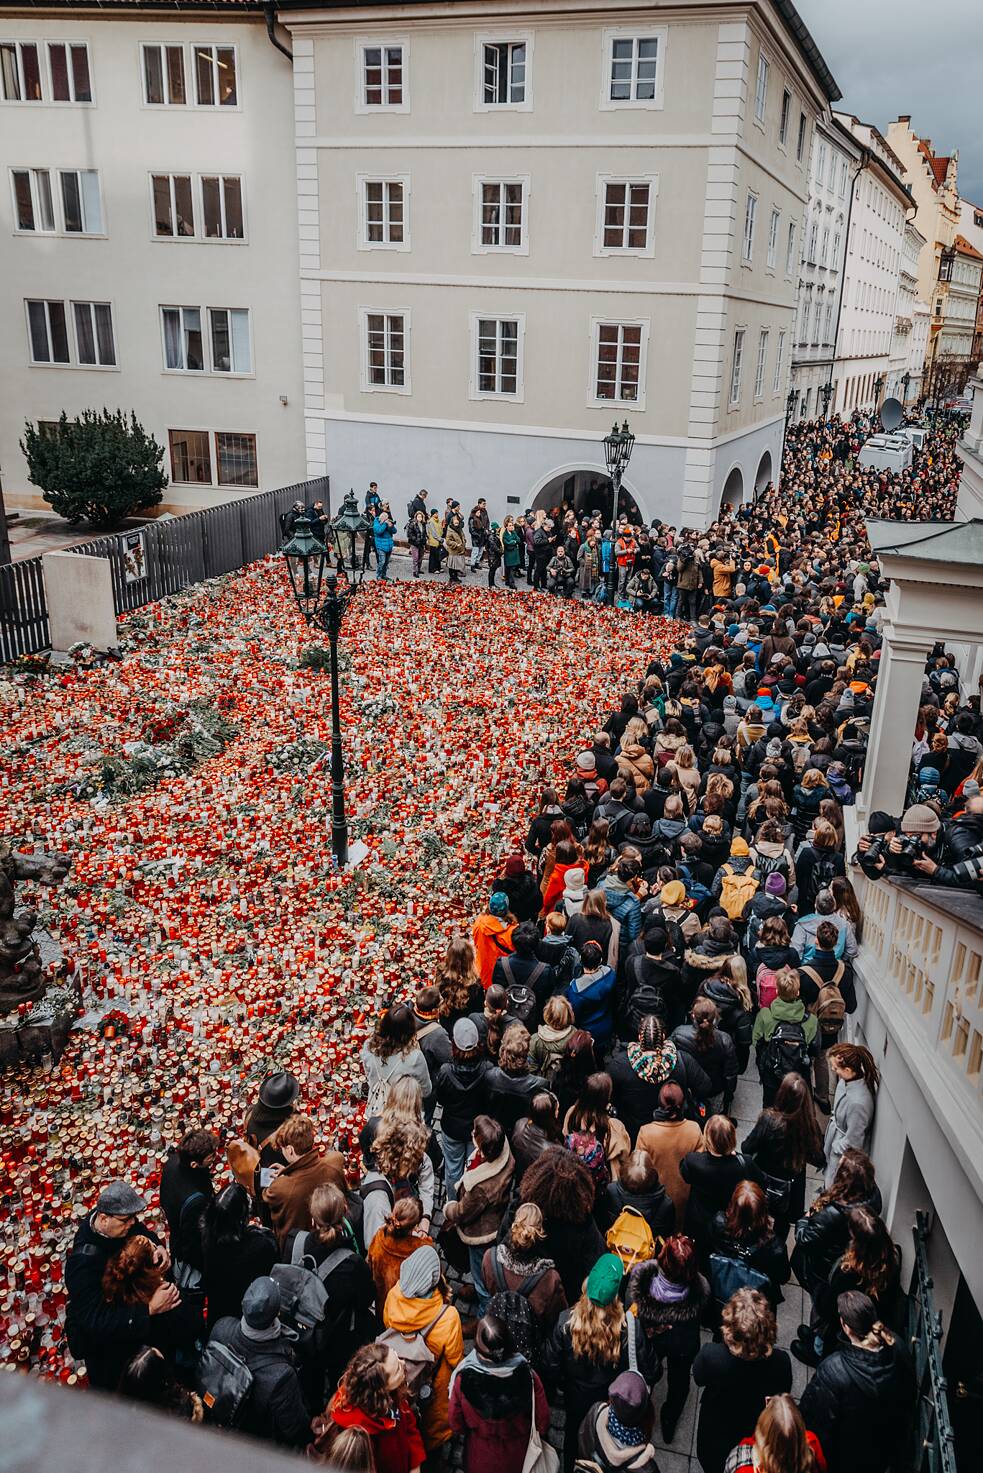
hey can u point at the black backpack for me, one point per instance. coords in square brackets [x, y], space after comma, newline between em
[785, 1052]
[356, 1207]
[522, 997]
[643, 1001]
[823, 874]
[225, 1384]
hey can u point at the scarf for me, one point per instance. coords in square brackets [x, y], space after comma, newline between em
[625, 1436]
[665, 1291]
[473, 1362]
[524, 1266]
[653, 1068]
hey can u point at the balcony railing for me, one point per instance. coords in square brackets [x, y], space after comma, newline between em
[933, 1446]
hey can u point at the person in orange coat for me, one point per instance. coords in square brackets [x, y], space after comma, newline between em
[417, 1304]
[398, 1237]
[492, 936]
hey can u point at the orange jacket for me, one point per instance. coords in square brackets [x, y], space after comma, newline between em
[492, 938]
[445, 1341]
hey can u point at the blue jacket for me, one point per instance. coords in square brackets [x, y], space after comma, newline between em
[382, 533]
[623, 904]
[593, 1005]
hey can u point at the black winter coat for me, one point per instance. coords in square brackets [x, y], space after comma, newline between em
[766, 1145]
[583, 1381]
[734, 1395]
[821, 1237]
[768, 1255]
[231, 1267]
[574, 1247]
[636, 1100]
[655, 1206]
[719, 1061]
[92, 1325]
[525, 896]
[670, 1329]
[462, 1089]
[509, 1095]
[859, 1404]
[185, 1193]
[276, 1410]
[734, 1018]
[712, 1180]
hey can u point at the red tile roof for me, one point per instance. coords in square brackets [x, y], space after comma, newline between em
[965, 249]
[939, 164]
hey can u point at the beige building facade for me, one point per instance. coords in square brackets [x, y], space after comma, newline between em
[517, 225]
[148, 237]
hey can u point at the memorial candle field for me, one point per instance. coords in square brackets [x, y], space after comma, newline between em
[214, 938]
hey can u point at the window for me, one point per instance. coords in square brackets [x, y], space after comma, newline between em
[163, 76]
[215, 76]
[20, 71]
[773, 226]
[633, 69]
[383, 80]
[820, 164]
[382, 213]
[191, 462]
[48, 332]
[81, 206]
[783, 119]
[776, 382]
[800, 142]
[736, 367]
[828, 323]
[626, 215]
[761, 88]
[759, 367]
[843, 174]
[500, 224]
[498, 356]
[230, 340]
[183, 346]
[69, 65]
[813, 240]
[33, 205]
[790, 249]
[384, 349]
[94, 334]
[174, 214]
[504, 81]
[618, 362]
[236, 457]
[835, 258]
[824, 248]
[221, 207]
[750, 212]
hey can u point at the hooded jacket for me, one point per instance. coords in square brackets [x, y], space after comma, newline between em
[719, 1061]
[494, 1416]
[275, 1410]
[595, 1444]
[859, 1404]
[637, 1084]
[397, 1446]
[635, 764]
[462, 1089]
[667, 1142]
[781, 1011]
[671, 1327]
[445, 1341]
[821, 1238]
[624, 906]
[483, 1196]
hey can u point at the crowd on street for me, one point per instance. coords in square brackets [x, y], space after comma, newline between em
[552, 1206]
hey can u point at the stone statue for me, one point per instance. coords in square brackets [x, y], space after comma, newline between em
[21, 976]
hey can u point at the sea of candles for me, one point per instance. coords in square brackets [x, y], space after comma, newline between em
[214, 937]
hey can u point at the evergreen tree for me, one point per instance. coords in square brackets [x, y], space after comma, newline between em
[99, 468]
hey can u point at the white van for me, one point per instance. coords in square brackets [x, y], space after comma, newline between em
[887, 453]
[915, 434]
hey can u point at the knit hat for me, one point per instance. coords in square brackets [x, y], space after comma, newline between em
[628, 1397]
[465, 1034]
[880, 822]
[774, 747]
[261, 1303]
[920, 819]
[971, 788]
[585, 762]
[419, 1274]
[775, 884]
[738, 846]
[514, 867]
[929, 777]
[499, 903]
[674, 893]
[604, 1279]
[575, 884]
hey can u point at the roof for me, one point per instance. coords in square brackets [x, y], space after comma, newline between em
[247, 7]
[933, 542]
[964, 248]
[938, 163]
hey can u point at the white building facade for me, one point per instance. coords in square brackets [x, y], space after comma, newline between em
[148, 221]
[868, 359]
[836, 158]
[911, 324]
[518, 227]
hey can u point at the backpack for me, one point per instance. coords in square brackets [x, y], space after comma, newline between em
[418, 1360]
[645, 1000]
[767, 991]
[728, 1274]
[829, 1006]
[736, 890]
[512, 1306]
[224, 1383]
[631, 1238]
[695, 889]
[823, 874]
[590, 1153]
[304, 1301]
[785, 1052]
[768, 864]
[684, 555]
[356, 1208]
[522, 998]
[186, 1275]
[379, 1090]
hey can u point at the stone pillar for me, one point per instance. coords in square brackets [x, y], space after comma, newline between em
[79, 591]
[899, 688]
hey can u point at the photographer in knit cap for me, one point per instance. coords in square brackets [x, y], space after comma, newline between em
[275, 1408]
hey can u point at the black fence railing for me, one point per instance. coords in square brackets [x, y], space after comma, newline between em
[933, 1444]
[155, 560]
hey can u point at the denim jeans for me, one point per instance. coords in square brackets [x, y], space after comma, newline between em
[476, 1254]
[382, 556]
[477, 553]
[670, 598]
[455, 1160]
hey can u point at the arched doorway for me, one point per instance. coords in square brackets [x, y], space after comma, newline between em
[583, 489]
[733, 492]
[764, 473]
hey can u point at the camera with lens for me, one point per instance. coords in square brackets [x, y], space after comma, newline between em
[911, 847]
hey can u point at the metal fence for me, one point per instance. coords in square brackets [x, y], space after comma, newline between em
[933, 1444]
[155, 560]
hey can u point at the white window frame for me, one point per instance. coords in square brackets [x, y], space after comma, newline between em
[208, 368]
[784, 117]
[776, 384]
[164, 47]
[761, 363]
[362, 44]
[601, 189]
[474, 392]
[774, 227]
[47, 98]
[69, 304]
[761, 88]
[362, 242]
[72, 304]
[611, 34]
[225, 373]
[183, 307]
[737, 368]
[477, 246]
[622, 405]
[213, 456]
[84, 233]
[364, 313]
[58, 227]
[198, 206]
[219, 107]
[66, 309]
[54, 197]
[502, 38]
[189, 49]
[790, 239]
[750, 225]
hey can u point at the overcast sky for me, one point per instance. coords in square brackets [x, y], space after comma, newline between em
[923, 57]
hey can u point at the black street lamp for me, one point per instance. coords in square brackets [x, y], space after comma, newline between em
[905, 381]
[617, 453]
[306, 559]
[878, 386]
[826, 393]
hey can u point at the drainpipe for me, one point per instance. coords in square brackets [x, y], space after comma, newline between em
[269, 12]
[864, 160]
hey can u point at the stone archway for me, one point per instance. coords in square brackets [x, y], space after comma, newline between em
[765, 472]
[733, 492]
[585, 489]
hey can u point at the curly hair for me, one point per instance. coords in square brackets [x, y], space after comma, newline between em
[399, 1148]
[560, 1185]
[132, 1275]
[363, 1384]
[749, 1325]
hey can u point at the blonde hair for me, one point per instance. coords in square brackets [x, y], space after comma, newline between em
[685, 757]
[514, 1050]
[527, 1228]
[404, 1100]
[735, 969]
[787, 984]
[558, 1013]
[780, 1440]
[595, 1330]
[556, 922]
[399, 1148]
[813, 778]
[719, 1136]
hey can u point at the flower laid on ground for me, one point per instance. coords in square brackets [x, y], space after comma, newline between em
[215, 935]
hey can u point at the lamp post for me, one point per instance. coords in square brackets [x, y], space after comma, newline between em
[323, 605]
[878, 386]
[618, 446]
[826, 393]
[905, 381]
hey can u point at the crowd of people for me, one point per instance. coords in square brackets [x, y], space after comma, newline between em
[553, 1204]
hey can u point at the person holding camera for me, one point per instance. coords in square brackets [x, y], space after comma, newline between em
[960, 865]
[918, 838]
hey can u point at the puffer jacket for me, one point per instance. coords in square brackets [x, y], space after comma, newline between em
[635, 765]
[719, 1061]
[859, 1404]
[623, 905]
[735, 1020]
[821, 1237]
